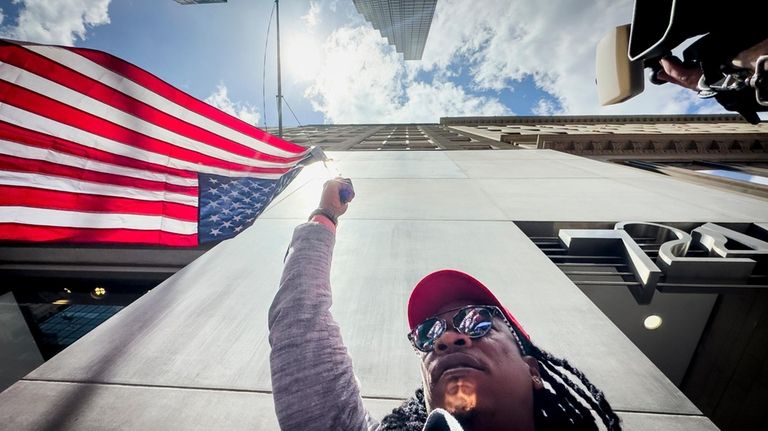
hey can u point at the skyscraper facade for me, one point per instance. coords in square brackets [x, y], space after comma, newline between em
[405, 23]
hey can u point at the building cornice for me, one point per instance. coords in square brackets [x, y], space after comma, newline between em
[590, 119]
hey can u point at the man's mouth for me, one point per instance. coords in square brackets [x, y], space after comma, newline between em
[453, 364]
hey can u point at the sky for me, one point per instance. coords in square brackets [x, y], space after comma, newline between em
[495, 57]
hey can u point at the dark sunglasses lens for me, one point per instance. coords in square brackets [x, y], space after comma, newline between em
[427, 332]
[474, 321]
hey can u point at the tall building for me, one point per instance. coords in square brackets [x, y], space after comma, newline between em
[390, 137]
[653, 284]
[405, 23]
[717, 150]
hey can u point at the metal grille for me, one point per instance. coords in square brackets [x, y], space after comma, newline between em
[612, 269]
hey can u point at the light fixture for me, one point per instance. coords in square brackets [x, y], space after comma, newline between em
[98, 292]
[67, 290]
[61, 302]
[653, 322]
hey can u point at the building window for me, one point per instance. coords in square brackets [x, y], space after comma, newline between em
[58, 312]
[749, 177]
[736, 175]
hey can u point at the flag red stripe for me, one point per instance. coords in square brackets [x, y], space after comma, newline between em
[104, 135]
[23, 232]
[17, 164]
[65, 76]
[155, 84]
[12, 132]
[57, 111]
[54, 199]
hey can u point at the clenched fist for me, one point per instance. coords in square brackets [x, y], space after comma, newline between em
[337, 193]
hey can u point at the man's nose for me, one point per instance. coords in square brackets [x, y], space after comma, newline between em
[451, 341]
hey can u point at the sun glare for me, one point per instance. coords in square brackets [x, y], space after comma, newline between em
[302, 56]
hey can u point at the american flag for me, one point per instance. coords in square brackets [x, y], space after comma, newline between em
[95, 149]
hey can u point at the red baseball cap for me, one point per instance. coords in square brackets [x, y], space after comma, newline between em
[447, 285]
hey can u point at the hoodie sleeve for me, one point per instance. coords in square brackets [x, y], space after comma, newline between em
[313, 383]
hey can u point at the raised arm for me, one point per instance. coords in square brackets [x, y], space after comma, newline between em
[313, 384]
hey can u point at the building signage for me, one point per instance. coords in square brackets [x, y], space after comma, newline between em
[733, 256]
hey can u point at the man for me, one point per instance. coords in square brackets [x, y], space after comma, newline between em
[479, 368]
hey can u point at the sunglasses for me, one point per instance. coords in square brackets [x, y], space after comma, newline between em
[474, 321]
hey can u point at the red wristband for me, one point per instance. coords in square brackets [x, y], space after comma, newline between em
[323, 220]
[329, 215]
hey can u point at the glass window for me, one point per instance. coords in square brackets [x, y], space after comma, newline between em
[736, 175]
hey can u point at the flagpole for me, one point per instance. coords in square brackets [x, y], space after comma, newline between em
[279, 87]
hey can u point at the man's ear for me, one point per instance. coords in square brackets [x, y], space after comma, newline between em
[533, 368]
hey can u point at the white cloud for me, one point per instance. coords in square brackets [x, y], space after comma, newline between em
[362, 79]
[553, 42]
[545, 107]
[244, 111]
[356, 77]
[57, 21]
[711, 108]
[428, 102]
[312, 17]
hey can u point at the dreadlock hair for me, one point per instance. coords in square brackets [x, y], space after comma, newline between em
[560, 405]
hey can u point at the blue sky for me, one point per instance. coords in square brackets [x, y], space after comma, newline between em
[503, 58]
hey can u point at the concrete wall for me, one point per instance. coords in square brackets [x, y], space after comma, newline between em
[193, 353]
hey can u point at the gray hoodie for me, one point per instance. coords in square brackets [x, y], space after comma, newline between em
[313, 383]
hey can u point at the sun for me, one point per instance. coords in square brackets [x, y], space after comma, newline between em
[302, 56]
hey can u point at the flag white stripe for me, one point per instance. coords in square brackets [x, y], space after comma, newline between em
[67, 96]
[38, 123]
[64, 184]
[126, 86]
[75, 219]
[35, 153]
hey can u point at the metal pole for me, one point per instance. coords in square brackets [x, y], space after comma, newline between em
[279, 87]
